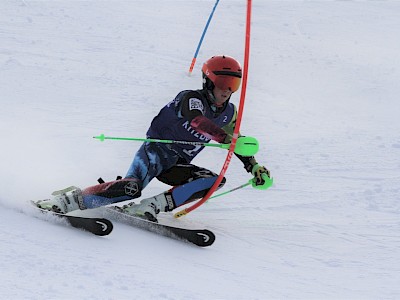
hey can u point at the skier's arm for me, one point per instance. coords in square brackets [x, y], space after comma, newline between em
[191, 106]
[192, 109]
[262, 177]
[249, 162]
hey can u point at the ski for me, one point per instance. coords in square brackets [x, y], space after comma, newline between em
[97, 226]
[198, 237]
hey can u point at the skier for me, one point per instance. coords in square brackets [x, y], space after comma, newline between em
[194, 115]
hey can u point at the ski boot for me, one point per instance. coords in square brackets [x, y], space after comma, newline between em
[149, 208]
[63, 201]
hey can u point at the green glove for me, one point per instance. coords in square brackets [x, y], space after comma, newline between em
[262, 177]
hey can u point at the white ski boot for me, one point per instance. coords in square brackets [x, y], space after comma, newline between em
[63, 201]
[149, 208]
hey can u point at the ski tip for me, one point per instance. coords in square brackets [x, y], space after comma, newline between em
[106, 227]
[205, 238]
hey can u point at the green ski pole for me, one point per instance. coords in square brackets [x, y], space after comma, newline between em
[245, 146]
[231, 190]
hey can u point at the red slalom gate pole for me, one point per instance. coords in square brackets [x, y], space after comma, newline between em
[238, 121]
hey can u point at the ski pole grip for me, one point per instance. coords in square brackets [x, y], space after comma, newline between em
[245, 146]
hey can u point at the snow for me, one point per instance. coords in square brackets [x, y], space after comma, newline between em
[322, 99]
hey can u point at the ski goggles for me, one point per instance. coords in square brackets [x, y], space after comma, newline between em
[227, 80]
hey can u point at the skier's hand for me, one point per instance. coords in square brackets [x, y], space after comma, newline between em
[262, 177]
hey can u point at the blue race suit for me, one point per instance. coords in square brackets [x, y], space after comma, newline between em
[158, 159]
[170, 124]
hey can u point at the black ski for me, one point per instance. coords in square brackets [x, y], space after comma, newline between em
[97, 226]
[200, 237]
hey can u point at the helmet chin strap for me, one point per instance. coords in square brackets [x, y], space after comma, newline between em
[211, 96]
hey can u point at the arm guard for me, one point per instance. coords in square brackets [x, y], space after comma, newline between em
[207, 128]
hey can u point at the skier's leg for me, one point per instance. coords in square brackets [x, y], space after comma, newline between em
[191, 182]
[73, 198]
[111, 192]
[148, 162]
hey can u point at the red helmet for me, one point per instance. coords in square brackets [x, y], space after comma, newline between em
[222, 71]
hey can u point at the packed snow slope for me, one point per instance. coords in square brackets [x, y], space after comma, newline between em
[322, 99]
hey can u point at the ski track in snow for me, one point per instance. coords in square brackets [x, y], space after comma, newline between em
[322, 99]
